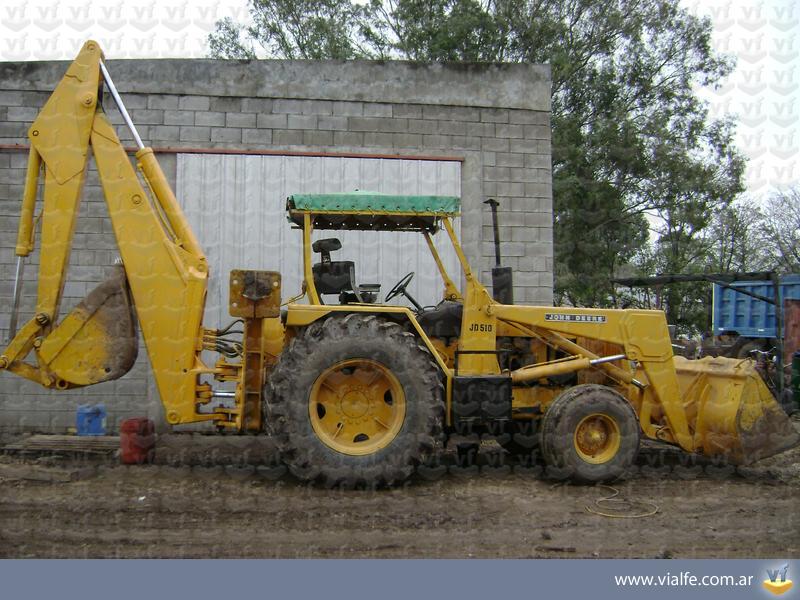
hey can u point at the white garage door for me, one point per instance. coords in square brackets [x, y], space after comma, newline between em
[236, 204]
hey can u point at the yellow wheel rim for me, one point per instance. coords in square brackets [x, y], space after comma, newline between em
[357, 406]
[597, 438]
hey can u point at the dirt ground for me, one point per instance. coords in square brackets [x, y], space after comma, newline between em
[203, 500]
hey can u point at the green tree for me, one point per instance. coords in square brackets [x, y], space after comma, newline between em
[630, 137]
[305, 29]
[781, 231]
[735, 240]
[688, 207]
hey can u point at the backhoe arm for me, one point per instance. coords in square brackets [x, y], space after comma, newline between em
[164, 264]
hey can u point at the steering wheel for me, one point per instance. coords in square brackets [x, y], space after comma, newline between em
[400, 287]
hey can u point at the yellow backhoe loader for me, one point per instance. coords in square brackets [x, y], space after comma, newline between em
[354, 391]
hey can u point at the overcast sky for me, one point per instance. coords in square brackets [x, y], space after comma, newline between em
[764, 35]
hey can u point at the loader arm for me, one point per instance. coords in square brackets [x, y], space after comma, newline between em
[643, 335]
[165, 268]
[714, 406]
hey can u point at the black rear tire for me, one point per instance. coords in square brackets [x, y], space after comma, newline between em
[315, 350]
[611, 419]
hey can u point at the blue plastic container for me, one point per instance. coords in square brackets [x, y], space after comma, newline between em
[748, 316]
[91, 419]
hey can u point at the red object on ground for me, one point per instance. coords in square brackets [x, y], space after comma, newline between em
[137, 441]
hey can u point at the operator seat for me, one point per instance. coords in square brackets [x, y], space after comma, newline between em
[339, 276]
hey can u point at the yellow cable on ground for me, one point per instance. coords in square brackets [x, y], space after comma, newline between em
[627, 505]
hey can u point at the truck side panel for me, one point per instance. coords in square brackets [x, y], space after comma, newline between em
[748, 316]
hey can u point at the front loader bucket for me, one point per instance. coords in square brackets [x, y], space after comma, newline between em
[98, 340]
[731, 411]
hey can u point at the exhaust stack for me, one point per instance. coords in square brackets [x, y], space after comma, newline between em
[502, 277]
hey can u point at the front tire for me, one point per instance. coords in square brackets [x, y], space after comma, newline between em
[354, 401]
[590, 434]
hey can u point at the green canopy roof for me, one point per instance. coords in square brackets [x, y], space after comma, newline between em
[359, 201]
[372, 210]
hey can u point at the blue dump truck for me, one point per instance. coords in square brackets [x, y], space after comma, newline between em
[743, 323]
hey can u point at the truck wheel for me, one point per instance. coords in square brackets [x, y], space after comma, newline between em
[590, 434]
[746, 348]
[354, 401]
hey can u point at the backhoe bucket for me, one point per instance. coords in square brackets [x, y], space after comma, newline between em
[98, 340]
[731, 410]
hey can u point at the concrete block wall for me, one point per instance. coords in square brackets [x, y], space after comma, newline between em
[495, 118]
